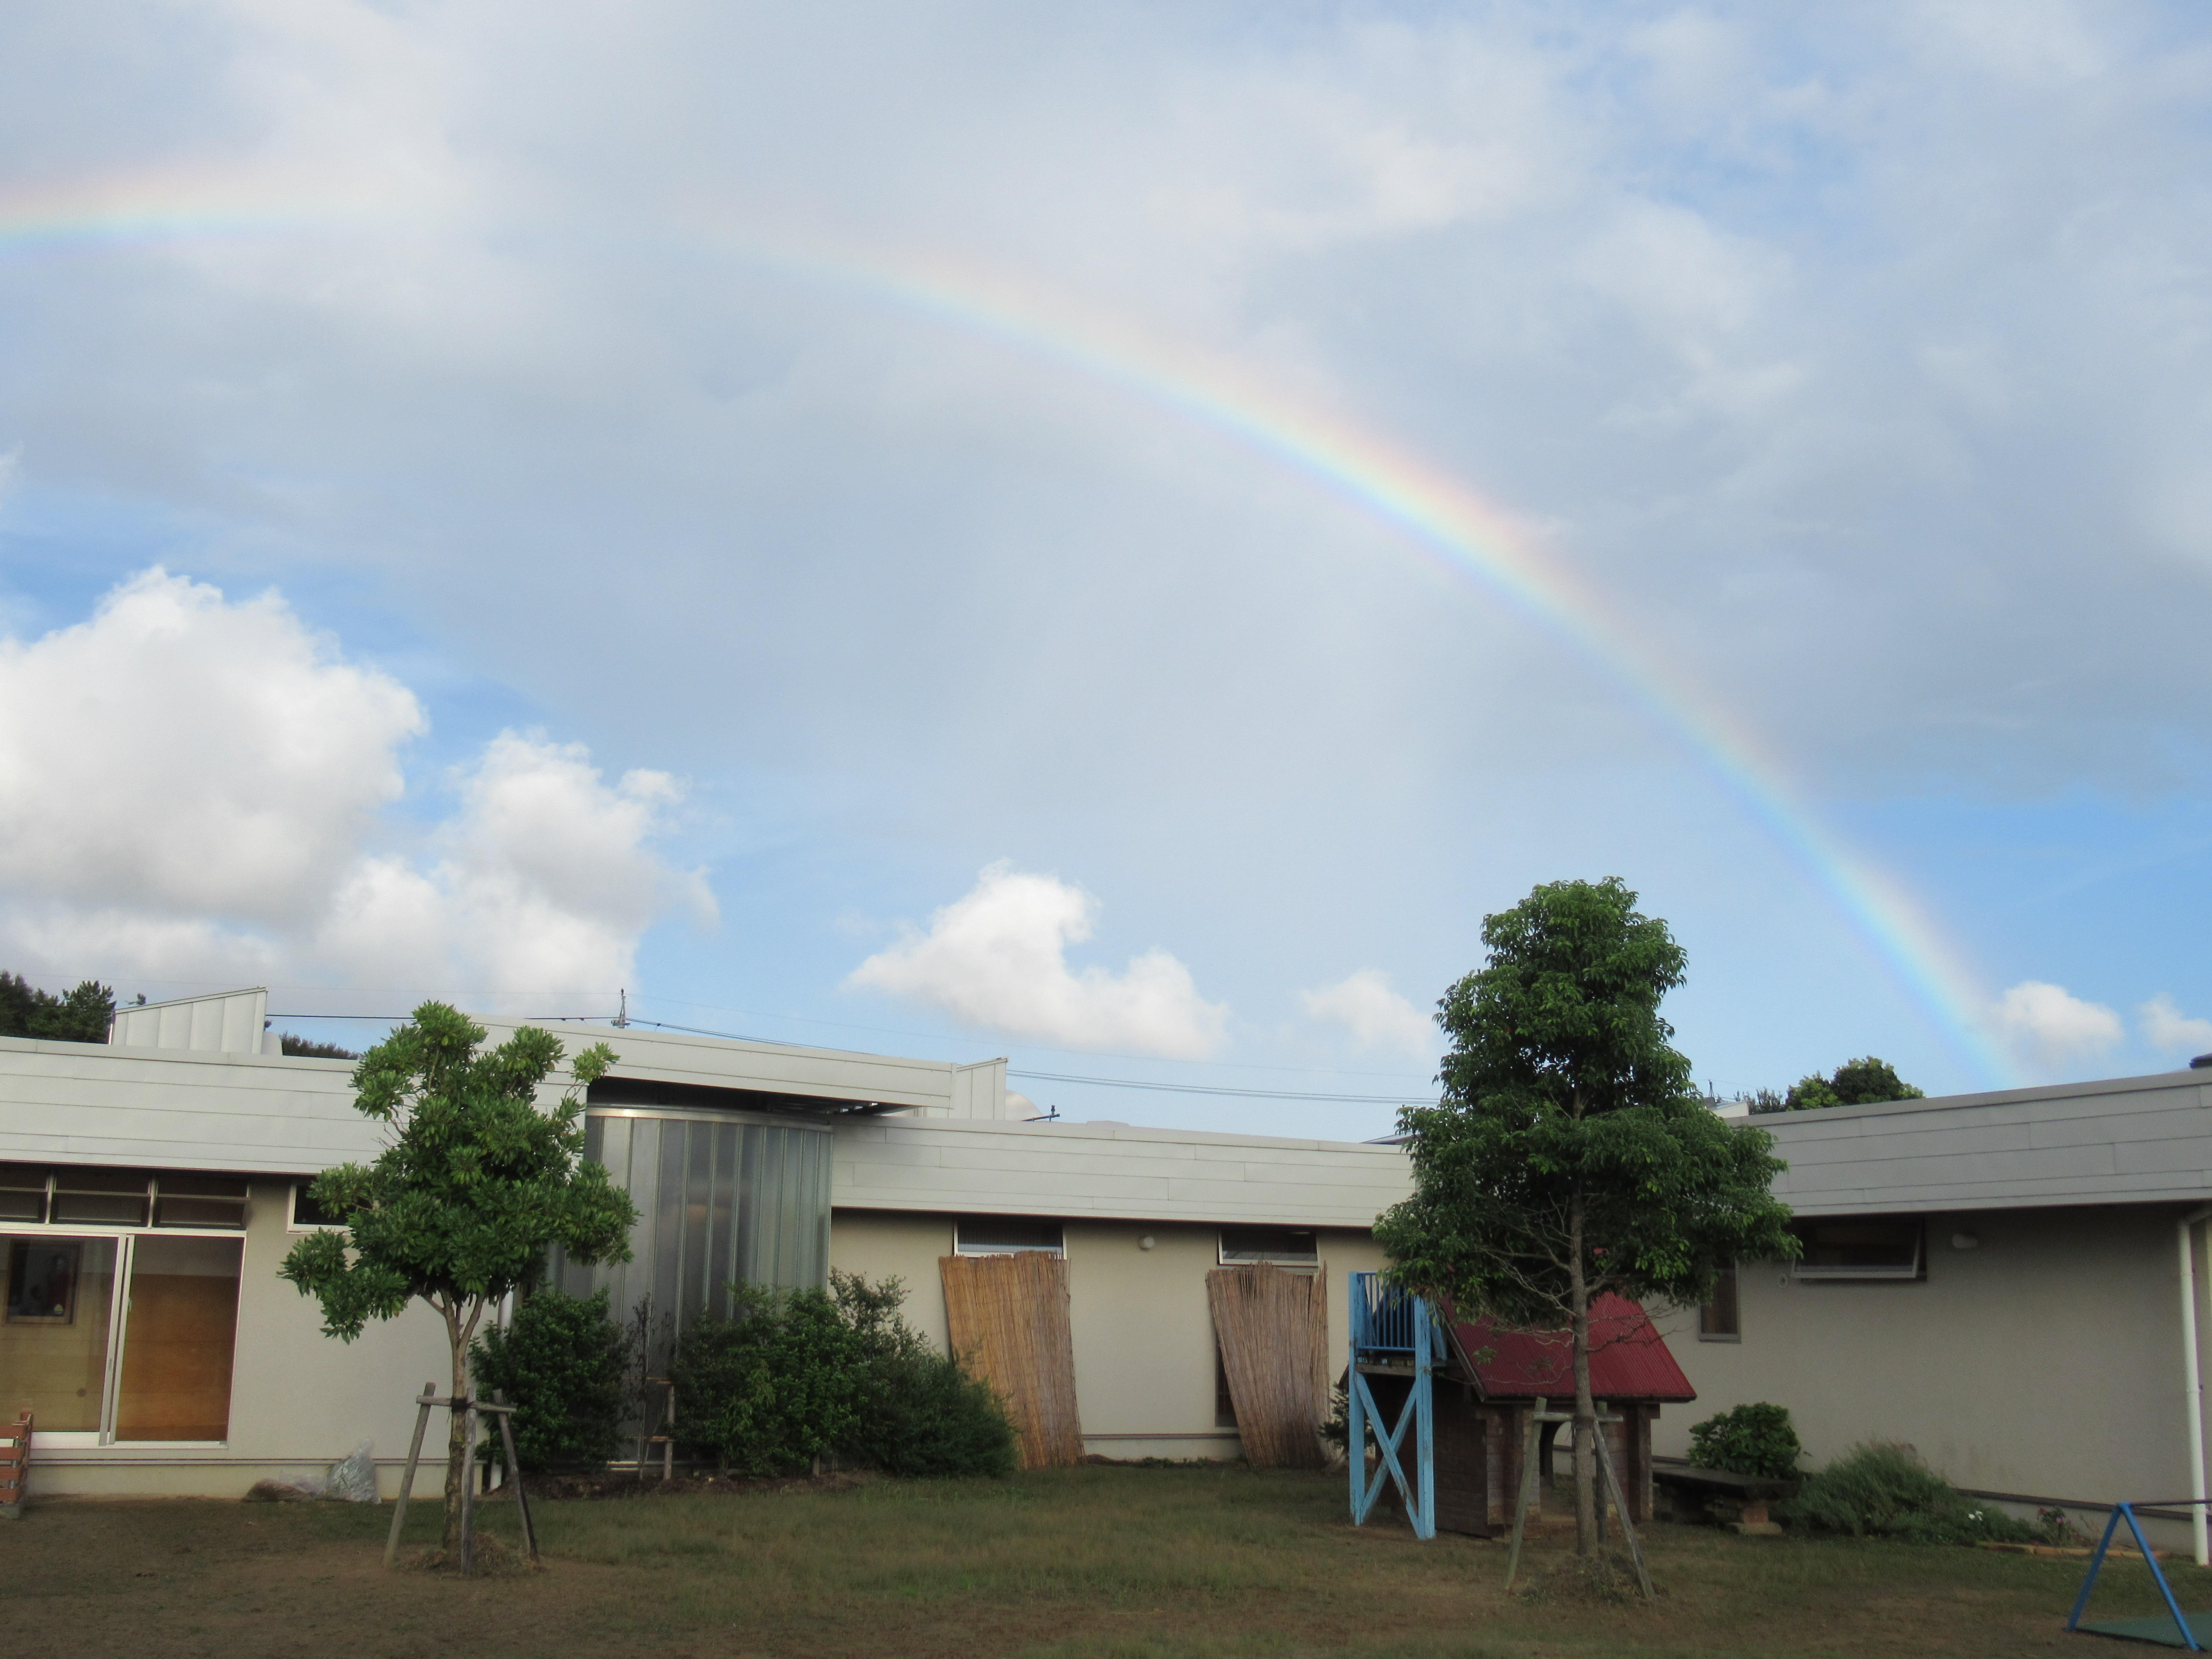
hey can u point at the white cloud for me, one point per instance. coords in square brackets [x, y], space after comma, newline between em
[998, 959]
[2166, 1027]
[2050, 1025]
[193, 789]
[1376, 1016]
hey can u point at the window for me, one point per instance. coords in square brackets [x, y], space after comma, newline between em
[1004, 1234]
[308, 1216]
[1876, 1248]
[113, 1198]
[1718, 1319]
[183, 1199]
[1287, 1247]
[23, 1193]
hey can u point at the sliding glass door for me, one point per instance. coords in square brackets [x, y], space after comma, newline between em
[121, 1337]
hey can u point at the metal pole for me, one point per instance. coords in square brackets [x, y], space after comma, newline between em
[407, 1480]
[2193, 1388]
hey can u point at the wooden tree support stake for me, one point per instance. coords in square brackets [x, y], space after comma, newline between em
[425, 1399]
[506, 1413]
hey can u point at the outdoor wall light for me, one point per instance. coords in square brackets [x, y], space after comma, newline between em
[1147, 1241]
[1966, 1241]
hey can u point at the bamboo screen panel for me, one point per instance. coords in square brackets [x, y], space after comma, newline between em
[1273, 1327]
[719, 1200]
[1007, 1317]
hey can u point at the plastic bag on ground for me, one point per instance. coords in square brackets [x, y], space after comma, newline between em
[353, 1479]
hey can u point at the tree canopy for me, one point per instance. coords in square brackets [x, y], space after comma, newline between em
[477, 1183]
[76, 1016]
[1865, 1082]
[1572, 1154]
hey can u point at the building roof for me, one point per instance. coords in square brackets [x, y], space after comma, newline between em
[2126, 1140]
[1629, 1360]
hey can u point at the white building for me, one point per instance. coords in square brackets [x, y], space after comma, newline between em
[150, 1187]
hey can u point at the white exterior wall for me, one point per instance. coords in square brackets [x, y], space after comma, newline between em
[2046, 1361]
[1112, 1169]
[1142, 1329]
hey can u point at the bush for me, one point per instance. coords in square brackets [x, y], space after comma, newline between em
[928, 1418]
[1883, 1491]
[562, 1365]
[1754, 1440]
[792, 1375]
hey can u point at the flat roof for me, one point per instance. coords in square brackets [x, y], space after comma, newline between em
[2121, 1140]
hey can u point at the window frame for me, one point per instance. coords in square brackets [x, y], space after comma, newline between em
[1863, 1273]
[104, 1438]
[960, 1247]
[1223, 1257]
[1709, 1324]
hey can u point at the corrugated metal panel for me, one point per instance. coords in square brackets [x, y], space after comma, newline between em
[1629, 1360]
[720, 1200]
[228, 1023]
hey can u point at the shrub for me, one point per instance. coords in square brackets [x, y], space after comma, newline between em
[928, 1418]
[792, 1374]
[562, 1365]
[1754, 1440]
[1885, 1491]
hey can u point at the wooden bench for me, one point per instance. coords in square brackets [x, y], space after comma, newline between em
[14, 1463]
[1701, 1491]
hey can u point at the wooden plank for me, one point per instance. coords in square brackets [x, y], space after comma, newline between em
[1273, 1328]
[1007, 1317]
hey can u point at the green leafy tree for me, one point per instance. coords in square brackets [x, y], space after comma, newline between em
[461, 1207]
[1572, 1155]
[78, 1016]
[1855, 1082]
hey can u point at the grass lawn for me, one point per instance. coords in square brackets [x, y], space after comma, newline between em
[1095, 1563]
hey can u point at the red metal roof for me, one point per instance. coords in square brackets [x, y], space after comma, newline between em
[1629, 1360]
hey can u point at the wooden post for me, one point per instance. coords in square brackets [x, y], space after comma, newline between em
[468, 1410]
[1528, 1488]
[1627, 1525]
[426, 1399]
[14, 1463]
[515, 1470]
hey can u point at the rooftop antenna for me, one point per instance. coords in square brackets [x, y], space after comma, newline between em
[623, 1018]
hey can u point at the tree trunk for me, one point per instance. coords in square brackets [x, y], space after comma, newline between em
[460, 1457]
[1585, 1424]
[456, 1430]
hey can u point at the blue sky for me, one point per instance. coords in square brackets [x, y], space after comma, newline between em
[577, 573]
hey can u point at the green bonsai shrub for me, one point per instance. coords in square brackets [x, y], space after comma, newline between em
[562, 1365]
[1883, 1491]
[1754, 1440]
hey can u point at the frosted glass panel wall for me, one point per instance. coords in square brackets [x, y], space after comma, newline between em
[719, 1200]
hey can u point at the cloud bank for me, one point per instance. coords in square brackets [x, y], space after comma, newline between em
[194, 789]
[997, 960]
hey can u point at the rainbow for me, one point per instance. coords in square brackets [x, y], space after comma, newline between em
[1464, 534]
[1469, 537]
